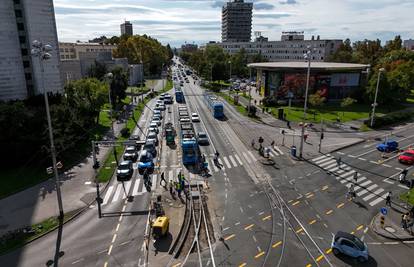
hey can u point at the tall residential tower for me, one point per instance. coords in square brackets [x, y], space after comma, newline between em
[22, 22]
[236, 21]
[126, 28]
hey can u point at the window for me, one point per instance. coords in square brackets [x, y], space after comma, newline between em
[347, 243]
[26, 64]
[18, 13]
[24, 52]
[20, 26]
[28, 76]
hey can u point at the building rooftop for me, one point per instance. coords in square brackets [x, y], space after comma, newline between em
[304, 65]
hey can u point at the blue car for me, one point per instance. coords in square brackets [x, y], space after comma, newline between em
[145, 162]
[348, 244]
[388, 146]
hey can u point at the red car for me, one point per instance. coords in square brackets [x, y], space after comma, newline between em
[407, 157]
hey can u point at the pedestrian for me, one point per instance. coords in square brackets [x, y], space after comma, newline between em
[255, 102]
[305, 137]
[163, 179]
[272, 143]
[356, 177]
[405, 221]
[338, 161]
[170, 185]
[388, 199]
[253, 142]
[177, 188]
[288, 124]
[179, 175]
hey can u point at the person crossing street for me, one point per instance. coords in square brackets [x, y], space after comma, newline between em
[163, 179]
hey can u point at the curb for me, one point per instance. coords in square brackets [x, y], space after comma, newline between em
[347, 146]
[375, 230]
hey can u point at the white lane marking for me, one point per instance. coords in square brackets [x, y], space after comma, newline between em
[227, 162]
[323, 160]
[399, 169]
[362, 159]
[221, 164]
[320, 157]
[390, 243]
[351, 156]
[127, 187]
[378, 200]
[251, 155]
[340, 153]
[363, 192]
[171, 175]
[247, 158]
[214, 166]
[374, 162]
[117, 193]
[107, 195]
[327, 163]
[273, 154]
[386, 165]
[278, 150]
[154, 181]
[233, 161]
[238, 159]
[373, 194]
[403, 186]
[135, 189]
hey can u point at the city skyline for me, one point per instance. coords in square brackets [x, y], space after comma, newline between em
[199, 21]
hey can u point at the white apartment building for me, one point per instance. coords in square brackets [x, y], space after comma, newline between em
[291, 47]
[22, 22]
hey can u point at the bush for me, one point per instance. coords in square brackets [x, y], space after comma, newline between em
[390, 118]
[125, 132]
[252, 111]
[270, 101]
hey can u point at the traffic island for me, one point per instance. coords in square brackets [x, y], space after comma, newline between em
[386, 226]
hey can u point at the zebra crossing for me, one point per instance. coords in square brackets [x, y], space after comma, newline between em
[366, 189]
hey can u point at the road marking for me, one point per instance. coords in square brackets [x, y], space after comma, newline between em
[390, 243]
[107, 195]
[127, 187]
[278, 150]
[214, 166]
[328, 212]
[117, 227]
[249, 226]
[309, 196]
[227, 228]
[77, 261]
[340, 205]
[229, 237]
[374, 162]
[176, 265]
[106, 264]
[117, 193]
[227, 162]
[325, 187]
[242, 265]
[340, 153]
[246, 157]
[114, 238]
[135, 188]
[363, 159]
[408, 241]
[110, 249]
[309, 265]
[329, 250]
[237, 223]
[321, 157]
[360, 227]
[251, 155]
[266, 218]
[380, 190]
[232, 161]
[259, 255]
[238, 159]
[327, 163]
[386, 165]
[297, 202]
[299, 230]
[351, 156]
[319, 258]
[378, 200]
[275, 245]
[312, 222]
[261, 213]
[360, 193]
[398, 169]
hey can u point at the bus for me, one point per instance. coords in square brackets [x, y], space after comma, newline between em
[214, 105]
[179, 96]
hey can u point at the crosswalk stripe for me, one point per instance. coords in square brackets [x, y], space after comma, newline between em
[363, 192]
[380, 190]
[192, 176]
[323, 160]
[108, 194]
[378, 200]
[278, 150]
[238, 159]
[251, 155]
[136, 186]
[233, 161]
[367, 182]
[154, 181]
[320, 157]
[171, 175]
[117, 193]
[247, 158]
[273, 153]
[227, 162]
[357, 187]
[127, 187]
[221, 163]
[214, 166]
[327, 163]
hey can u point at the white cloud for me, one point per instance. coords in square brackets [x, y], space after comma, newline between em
[176, 21]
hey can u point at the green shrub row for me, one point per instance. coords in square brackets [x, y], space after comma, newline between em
[390, 118]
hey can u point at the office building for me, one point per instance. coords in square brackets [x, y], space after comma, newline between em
[22, 22]
[236, 21]
[189, 47]
[126, 28]
[409, 44]
[291, 47]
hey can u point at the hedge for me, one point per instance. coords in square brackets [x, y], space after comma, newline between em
[390, 118]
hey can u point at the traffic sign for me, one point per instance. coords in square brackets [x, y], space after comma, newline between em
[49, 170]
[59, 165]
[384, 211]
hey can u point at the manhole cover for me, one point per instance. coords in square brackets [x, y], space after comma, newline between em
[390, 229]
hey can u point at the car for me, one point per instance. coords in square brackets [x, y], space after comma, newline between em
[202, 138]
[183, 114]
[157, 107]
[124, 171]
[184, 119]
[156, 120]
[161, 97]
[158, 112]
[187, 81]
[195, 117]
[159, 101]
[349, 244]
[388, 146]
[150, 147]
[153, 136]
[145, 162]
[181, 83]
[131, 153]
[162, 107]
[134, 137]
[407, 157]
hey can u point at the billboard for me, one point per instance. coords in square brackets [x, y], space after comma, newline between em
[345, 79]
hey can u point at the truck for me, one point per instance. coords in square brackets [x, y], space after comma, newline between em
[169, 133]
[189, 145]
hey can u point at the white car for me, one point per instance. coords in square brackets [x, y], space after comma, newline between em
[195, 117]
[184, 119]
[156, 120]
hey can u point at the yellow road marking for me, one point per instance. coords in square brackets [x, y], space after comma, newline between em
[249, 226]
[259, 255]
[106, 264]
[299, 230]
[312, 222]
[309, 265]
[319, 258]
[340, 205]
[266, 218]
[308, 193]
[276, 244]
[297, 202]
[329, 250]
[311, 195]
[329, 212]
[360, 227]
[229, 237]
[325, 187]
[352, 232]
[176, 265]
[242, 265]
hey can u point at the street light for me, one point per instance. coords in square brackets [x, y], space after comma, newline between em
[230, 70]
[308, 57]
[375, 98]
[41, 51]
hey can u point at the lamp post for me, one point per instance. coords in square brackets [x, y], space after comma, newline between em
[375, 97]
[41, 51]
[308, 57]
[250, 88]
[230, 70]
[108, 77]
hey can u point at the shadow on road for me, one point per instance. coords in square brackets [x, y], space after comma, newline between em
[371, 262]
[163, 244]
[58, 253]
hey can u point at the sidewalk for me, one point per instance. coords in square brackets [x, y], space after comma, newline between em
[392, 228]
[39, 202]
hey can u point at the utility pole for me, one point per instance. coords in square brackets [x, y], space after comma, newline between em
[307, 56]
[322, 136]
[42, 52]
[250, 88]
[375, 97]
[95, 167]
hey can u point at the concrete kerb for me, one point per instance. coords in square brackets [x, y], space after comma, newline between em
[349, 145]
[375, 226]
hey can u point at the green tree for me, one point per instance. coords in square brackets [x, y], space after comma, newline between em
[119, 84]
[346, 102]
[97, 70]
[368, 51]
[343, 54]
[395, 44]
[316, 100]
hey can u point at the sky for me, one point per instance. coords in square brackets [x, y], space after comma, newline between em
[199, 21]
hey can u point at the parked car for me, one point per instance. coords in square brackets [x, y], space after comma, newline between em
[157, 120]
[388, 146]
[406, 157]
[153, 127]
[184, 119]
[202, 138]
[162, 106]
[195, 117]
[153, 136]
[131, 153]
[145, 162]
[150, 147]
[124, 171]
[158, 112]
[348, 244]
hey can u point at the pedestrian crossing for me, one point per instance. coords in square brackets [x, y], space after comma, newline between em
[366, 189]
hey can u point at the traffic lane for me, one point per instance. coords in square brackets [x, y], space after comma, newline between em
[391, 253]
